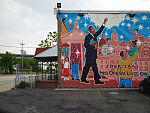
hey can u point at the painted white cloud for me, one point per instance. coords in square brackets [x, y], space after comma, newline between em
[113, 20]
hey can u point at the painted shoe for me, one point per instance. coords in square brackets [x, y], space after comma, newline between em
[78, 79]
[99, 82]
[72, 79]
[85, 81]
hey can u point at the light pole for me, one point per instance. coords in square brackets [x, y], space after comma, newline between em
[22, 55]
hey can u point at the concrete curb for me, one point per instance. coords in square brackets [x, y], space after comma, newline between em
[101, 89]
[129, 89]
[72, 89]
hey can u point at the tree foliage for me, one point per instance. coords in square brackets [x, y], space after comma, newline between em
[27, 63]
[52, 37]
[7, 62]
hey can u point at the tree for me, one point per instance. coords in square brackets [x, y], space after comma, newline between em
[7, 62]
[52, 37]
[27, 63]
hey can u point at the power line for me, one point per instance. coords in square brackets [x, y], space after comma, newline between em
[30, 47]
[6, 36]
[9, 46]
[17, 47]
[3, 35]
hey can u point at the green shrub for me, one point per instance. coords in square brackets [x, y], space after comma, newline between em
[56, 77]
[23, 84]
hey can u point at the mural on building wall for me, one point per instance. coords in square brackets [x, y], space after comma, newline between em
[104, 50]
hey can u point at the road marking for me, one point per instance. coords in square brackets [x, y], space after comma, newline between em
[99, 94]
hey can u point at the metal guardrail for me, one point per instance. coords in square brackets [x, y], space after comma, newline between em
[46, 77]
[104, 11]
[30, 79]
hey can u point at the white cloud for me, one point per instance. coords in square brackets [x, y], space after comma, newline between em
[106, 4]
[29, 21]
[23, 23]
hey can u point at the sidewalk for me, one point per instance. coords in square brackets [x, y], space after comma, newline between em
[7, 81]
[6, 87]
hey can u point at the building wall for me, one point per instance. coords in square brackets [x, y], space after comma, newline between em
[117, 28]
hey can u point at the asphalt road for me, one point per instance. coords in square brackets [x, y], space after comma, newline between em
[6, 82]
[99, 100]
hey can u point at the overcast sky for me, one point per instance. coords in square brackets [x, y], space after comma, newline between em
[29, 21]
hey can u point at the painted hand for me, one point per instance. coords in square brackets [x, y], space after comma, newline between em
[105, 20]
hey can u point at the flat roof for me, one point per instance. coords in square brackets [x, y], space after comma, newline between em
[104, 11]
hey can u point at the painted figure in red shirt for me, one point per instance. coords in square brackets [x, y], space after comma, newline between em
[75, 58]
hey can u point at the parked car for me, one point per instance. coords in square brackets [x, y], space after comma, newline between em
[145, 85]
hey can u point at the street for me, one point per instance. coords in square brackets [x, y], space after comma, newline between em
[73, 100]
[7, 81]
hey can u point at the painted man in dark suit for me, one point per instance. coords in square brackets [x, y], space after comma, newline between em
[91, 54]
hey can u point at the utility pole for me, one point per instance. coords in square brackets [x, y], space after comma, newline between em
[22, 55]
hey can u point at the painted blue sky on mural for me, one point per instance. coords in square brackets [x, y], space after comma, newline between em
[140, 22]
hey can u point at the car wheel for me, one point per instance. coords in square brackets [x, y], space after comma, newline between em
[142, 89]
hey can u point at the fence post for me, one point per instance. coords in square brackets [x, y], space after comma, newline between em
[16, 79]
[31, 78]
